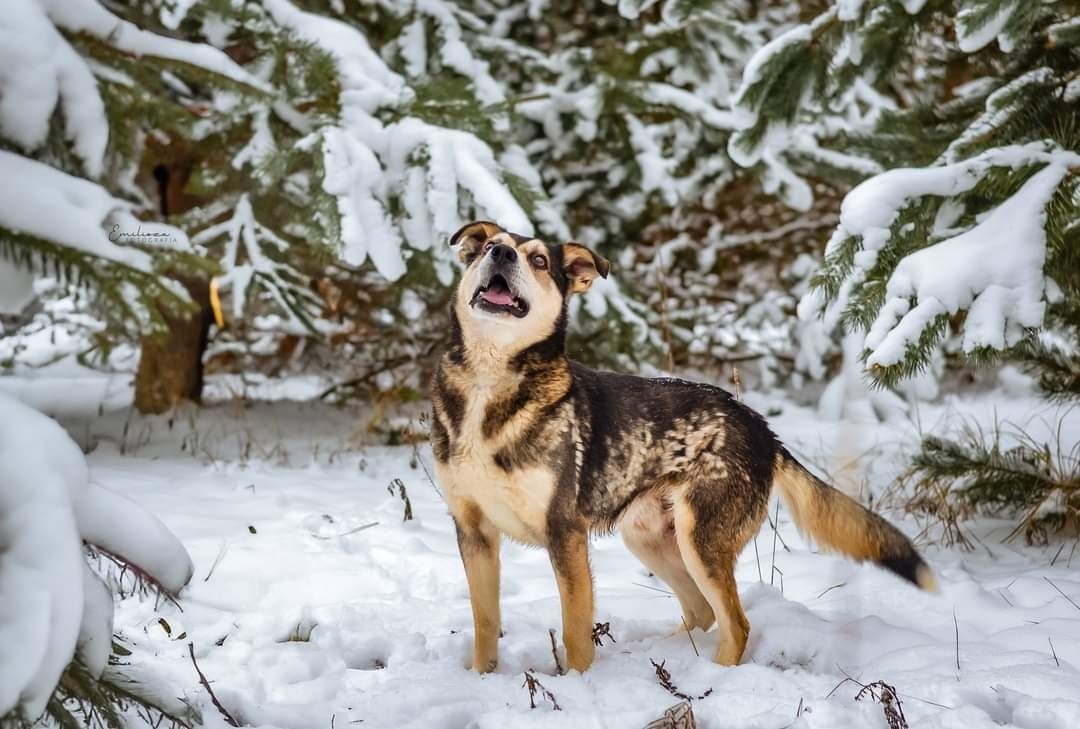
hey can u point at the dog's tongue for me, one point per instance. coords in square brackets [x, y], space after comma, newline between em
[498, 296]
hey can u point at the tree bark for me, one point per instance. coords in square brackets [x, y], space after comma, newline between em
[171, 365]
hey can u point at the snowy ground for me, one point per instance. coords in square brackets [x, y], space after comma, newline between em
[302, 617]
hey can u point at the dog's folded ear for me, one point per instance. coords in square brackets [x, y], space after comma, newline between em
[472, 236]
[581, 266]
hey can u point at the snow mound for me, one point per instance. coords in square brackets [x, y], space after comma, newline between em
[52, 607]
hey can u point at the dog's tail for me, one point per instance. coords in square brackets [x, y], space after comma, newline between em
[841, 524]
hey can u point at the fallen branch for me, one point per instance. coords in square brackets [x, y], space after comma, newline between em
[664, 677]
[535, 687]
[206, 685]
[559, 670]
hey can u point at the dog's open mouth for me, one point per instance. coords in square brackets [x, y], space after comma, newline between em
[497, 297]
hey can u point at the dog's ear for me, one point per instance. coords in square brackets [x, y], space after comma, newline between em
[472, 236]
[581, 266]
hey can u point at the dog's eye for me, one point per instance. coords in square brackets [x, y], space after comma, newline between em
[539, 261]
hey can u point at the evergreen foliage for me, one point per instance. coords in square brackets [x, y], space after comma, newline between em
[966, 239]
[1001, 471]
[365, 132]
[973, 82]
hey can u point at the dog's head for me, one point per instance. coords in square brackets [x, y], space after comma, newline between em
[514, 290]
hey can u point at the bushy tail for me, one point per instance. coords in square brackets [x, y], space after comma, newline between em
[841, 524]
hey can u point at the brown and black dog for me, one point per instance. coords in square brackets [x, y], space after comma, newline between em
[532, 445]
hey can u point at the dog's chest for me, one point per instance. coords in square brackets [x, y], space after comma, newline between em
[516, 501]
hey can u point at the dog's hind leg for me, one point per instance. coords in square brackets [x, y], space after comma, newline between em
[648, 530]
[709, 544]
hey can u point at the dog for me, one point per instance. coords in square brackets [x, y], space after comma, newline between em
[534, 446]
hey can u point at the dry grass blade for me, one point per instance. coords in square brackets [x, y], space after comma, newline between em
[534, 687]
[956, 627]
[691, 637]
[664, 677]
[1071, 601]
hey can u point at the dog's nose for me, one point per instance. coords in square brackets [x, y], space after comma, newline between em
[501, 253]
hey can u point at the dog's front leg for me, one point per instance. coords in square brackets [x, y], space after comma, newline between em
[570, 557]
[478, 542]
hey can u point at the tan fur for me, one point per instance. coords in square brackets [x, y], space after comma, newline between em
[533, 446]
[714, 574]
[472, 236]
[576, 594]
[838, 522]
[493, 340]
[582, 266]
[648, 530]
[478, 542]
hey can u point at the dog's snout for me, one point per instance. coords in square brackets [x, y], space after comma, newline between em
[501, 253]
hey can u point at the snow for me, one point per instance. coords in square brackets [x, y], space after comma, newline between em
[688, 103]
[367, 161]
[16, 288]
[89, 16]
[41, 201]
[40, 70]
[244, 234]
[971, 39]
[1000, 105]
[303, 614]
[994, 269]
[745, 116]
[50, 604]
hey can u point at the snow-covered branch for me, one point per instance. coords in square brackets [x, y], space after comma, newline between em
[53, 609]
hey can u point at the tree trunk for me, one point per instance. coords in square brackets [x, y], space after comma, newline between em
[171, 365]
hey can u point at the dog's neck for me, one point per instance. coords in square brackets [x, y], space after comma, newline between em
[491, 361]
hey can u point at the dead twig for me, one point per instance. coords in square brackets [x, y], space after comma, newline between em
[559, 670]
[679, 716]
[399, 485]
[664, 677]
[885, 695]
[601, 631]
[206, 685]
[882, 693]
[535, 687]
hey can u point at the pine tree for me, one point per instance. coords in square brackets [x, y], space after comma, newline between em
[969, 238]
[988, 136]
[318, 182]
